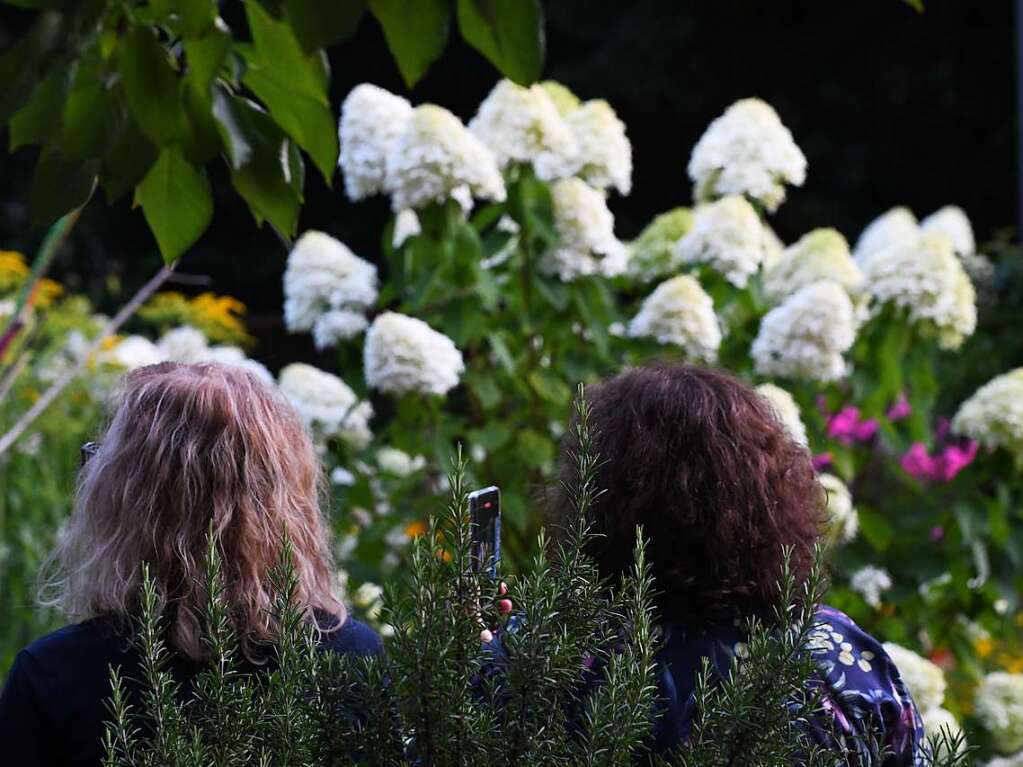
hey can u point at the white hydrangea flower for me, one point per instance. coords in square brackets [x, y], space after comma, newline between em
[406, 224]
[371, 119]
[952, 222]
[680, 312]
[785, 410]
[232, 355]
[843, 523]
[1016, 760]
[993, 415]
[327, 404]
[133, 352]
[399, 463]
[327, 289]
[587, 243]
[341, 477]
[805, 337]
[924, 679]
[727, 235]
[896, 226]
[522, 125]
[370, 597]
[998, 704]
[564, 100]
[822, 254]
[652, 255]
[774, 248]
[183, 344]
[939, 722]
[433, 156]
[605, 154]
[747, 151]
[923, 277]
[404, 354]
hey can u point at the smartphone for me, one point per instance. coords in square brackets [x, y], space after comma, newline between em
[485, 526]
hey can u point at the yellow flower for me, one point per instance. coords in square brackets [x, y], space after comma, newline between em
[415, 529]
[45, 292]
[13, 270]
[217, 317]
[983, 646]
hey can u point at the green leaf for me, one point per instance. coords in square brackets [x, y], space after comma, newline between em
[21, 64]
[151, 86]
[200, 138]
[492, 436]
[509, 33]
[83, 123]
[549, 387]
[535, 449]
[34, 123]
[416, 33]
[317, 24]
[191, 18]
[129, 154]
[267, 169]
[176, 201]
[875, 528]
[59, 185]
[293, 85]
[500, 350]
[205, 55]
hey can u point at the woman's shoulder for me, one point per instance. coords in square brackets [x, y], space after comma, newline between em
[353, 636]
[74, 641]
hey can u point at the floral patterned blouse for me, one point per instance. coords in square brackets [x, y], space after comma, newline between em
[863, 692]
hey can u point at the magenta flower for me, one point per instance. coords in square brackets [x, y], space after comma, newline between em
[954, 459]
[847, 427]
[822, 461]
[918, 463]
[937, 533]
[901, 409]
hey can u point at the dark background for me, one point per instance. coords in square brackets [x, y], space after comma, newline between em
[889, 106]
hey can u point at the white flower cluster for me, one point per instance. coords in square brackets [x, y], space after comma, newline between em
[727, 235]
[605, 154]
[586, 239]
[747, 151]
[871, 582]
[327, 289]
[806, 335]
[403, 354]
[391, 460]
[785, 410]
[327, 404]
[843, 522]
[923, 277]
[822, 254]
[993, 415]
[652, 255]
[679, 312]
[939, 722]
[1015, 760]
[953, 222]
[371, 119]
[370, 598]
[924, 679]
[523, 125]
[183, 344]
[435, 157]
[894, 227]
[998, 704]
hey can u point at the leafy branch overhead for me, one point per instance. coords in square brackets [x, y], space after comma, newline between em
[144, 96]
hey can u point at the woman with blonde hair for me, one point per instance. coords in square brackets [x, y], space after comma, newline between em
[191, 449]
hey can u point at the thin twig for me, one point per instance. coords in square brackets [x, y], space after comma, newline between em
[12, 371]
[61, 383]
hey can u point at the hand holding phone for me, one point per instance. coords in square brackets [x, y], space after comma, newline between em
[485, 528]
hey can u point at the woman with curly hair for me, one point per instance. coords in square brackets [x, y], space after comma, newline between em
[721, 490]
[191, 449]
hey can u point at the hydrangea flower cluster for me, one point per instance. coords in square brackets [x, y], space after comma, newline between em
[326, 404]
[132, 352]
[843, 521]
[403, 354]
[1016, 760]
[679, 312]
[182, 344]
[747, 151]
[652, 255]
[822, 254]
[925, 680]
[605, 154]
[371, 119]
[728, 236]
[998, 705]
[993, 415]
[785, 410]
[953, 222]
[923, 277]
[805, 337]
[586, 239]
[871, 582]
[523, 125]
[327, 289]
[391, 460]
[893, 227]
[938, 721]
[433, 156]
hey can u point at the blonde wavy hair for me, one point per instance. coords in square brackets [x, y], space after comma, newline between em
[193, 448]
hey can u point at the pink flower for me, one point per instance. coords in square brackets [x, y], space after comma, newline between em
[954, 459]
[917, 462]
[901, 409]
[822, 461]
[937, 533]
[847, 427]
[942, 429]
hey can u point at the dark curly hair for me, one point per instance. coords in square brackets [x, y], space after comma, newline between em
[701, 462]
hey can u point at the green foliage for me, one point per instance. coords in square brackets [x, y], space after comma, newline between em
[148, 94]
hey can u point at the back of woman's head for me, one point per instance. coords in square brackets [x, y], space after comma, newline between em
[700, 461]
[190, 449]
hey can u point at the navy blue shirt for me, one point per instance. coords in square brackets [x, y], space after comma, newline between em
[53, 705]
